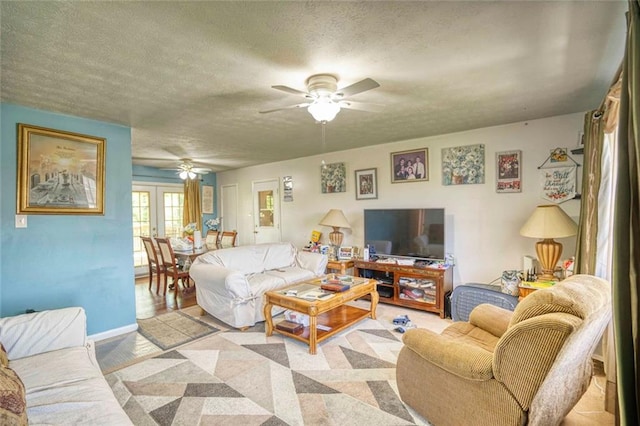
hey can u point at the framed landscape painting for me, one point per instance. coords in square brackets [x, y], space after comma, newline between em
[366, 184]
[59, 172]
[410, 166]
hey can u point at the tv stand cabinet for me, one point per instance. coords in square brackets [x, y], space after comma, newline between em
[415, 287]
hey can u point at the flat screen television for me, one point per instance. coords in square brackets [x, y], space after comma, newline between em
[418, 233]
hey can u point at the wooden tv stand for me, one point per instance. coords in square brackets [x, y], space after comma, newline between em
[415, 287]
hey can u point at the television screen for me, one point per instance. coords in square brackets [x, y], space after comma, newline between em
[406, 232]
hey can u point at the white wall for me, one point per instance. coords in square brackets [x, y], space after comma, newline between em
[485, 224]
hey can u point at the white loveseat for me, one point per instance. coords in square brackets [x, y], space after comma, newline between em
[56, 362]
[230, 283]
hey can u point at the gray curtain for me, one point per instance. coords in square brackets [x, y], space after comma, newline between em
[626, 228]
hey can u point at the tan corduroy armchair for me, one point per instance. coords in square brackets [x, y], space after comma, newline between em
[526, 367]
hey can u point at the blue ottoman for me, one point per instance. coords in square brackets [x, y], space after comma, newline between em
[467, 296]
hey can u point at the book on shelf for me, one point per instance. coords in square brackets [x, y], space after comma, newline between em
[289, 326]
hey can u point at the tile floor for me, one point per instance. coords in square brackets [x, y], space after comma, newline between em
[588, 412]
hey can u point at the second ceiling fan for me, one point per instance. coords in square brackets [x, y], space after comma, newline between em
[324, 99]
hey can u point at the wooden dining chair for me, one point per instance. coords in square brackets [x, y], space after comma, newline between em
[228, 239]
[155, 263]
[212, 239]
[171, 266]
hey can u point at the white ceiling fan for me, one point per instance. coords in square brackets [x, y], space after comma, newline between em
[324, 99]
[187, 169]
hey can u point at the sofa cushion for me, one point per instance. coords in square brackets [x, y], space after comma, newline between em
[67, 387]
[13, 404]
[280, 255]
[261, 283]
[291, 274]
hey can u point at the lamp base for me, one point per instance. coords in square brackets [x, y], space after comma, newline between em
[549, 252]
[336, 241]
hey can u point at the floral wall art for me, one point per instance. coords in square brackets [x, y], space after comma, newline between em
[463, 165]
[333, 178]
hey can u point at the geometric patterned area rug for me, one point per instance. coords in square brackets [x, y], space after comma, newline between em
[247, 378]
[173, 329]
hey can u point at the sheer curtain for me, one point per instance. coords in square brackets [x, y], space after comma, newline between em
[192, 212]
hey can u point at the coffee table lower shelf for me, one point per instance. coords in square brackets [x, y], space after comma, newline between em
[333, 312]
[333, 319]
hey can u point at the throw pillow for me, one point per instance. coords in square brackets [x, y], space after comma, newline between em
[4, 359]
[13, 402]
[509, 283]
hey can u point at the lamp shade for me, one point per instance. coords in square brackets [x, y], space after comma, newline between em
[549, 221]
[336, 219]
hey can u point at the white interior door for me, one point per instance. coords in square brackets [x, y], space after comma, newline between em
[229, 207]
[157, 211]
[266, 211]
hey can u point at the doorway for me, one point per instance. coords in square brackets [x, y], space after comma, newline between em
[266, 211]
[229, 207]
[157, 210]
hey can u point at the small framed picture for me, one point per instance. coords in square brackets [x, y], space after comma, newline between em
[509, 171]
[410, 166]
[367, 184]
[345, 253]
[558, 155]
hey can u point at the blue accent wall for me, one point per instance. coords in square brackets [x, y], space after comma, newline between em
[69, 260]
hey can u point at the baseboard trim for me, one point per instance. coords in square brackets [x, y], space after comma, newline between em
[114, 332]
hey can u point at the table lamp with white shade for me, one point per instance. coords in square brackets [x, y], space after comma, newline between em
[549, 222]
[335, 219]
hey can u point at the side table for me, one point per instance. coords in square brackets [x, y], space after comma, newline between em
[525, 291]
[340, 266]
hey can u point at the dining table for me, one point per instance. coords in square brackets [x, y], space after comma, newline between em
[190, 253]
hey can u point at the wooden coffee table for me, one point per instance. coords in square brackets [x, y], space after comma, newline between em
[331, 312]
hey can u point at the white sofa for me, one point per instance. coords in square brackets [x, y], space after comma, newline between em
[230, 283]
[63, 383]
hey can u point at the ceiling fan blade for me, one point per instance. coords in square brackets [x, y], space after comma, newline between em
[306, 104]
[201, 170]
[359, 87]
[290, 90]
[361, 106]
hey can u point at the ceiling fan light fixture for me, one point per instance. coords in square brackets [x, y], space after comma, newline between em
[324, 109]
[187, 174]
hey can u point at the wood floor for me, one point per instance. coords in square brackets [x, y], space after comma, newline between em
[150, 304]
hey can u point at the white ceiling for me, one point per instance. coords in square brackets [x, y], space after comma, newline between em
[190, 77]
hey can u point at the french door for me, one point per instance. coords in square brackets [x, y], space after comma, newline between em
[157, 211]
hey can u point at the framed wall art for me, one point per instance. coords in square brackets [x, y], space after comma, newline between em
[207, 199]
[508, 171]
[410, 166]
[60, 172]
[333, 178]
[367, 184]
[463, 165]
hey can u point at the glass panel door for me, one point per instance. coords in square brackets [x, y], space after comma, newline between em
[157, 210]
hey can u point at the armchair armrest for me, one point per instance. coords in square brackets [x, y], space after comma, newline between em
[220, 280]
[315, 262]
[31, 334]
[491, 318]
[459, 358]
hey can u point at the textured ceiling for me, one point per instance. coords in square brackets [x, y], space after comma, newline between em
[190, 77]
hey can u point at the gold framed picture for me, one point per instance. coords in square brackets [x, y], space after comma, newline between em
[59, 172]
